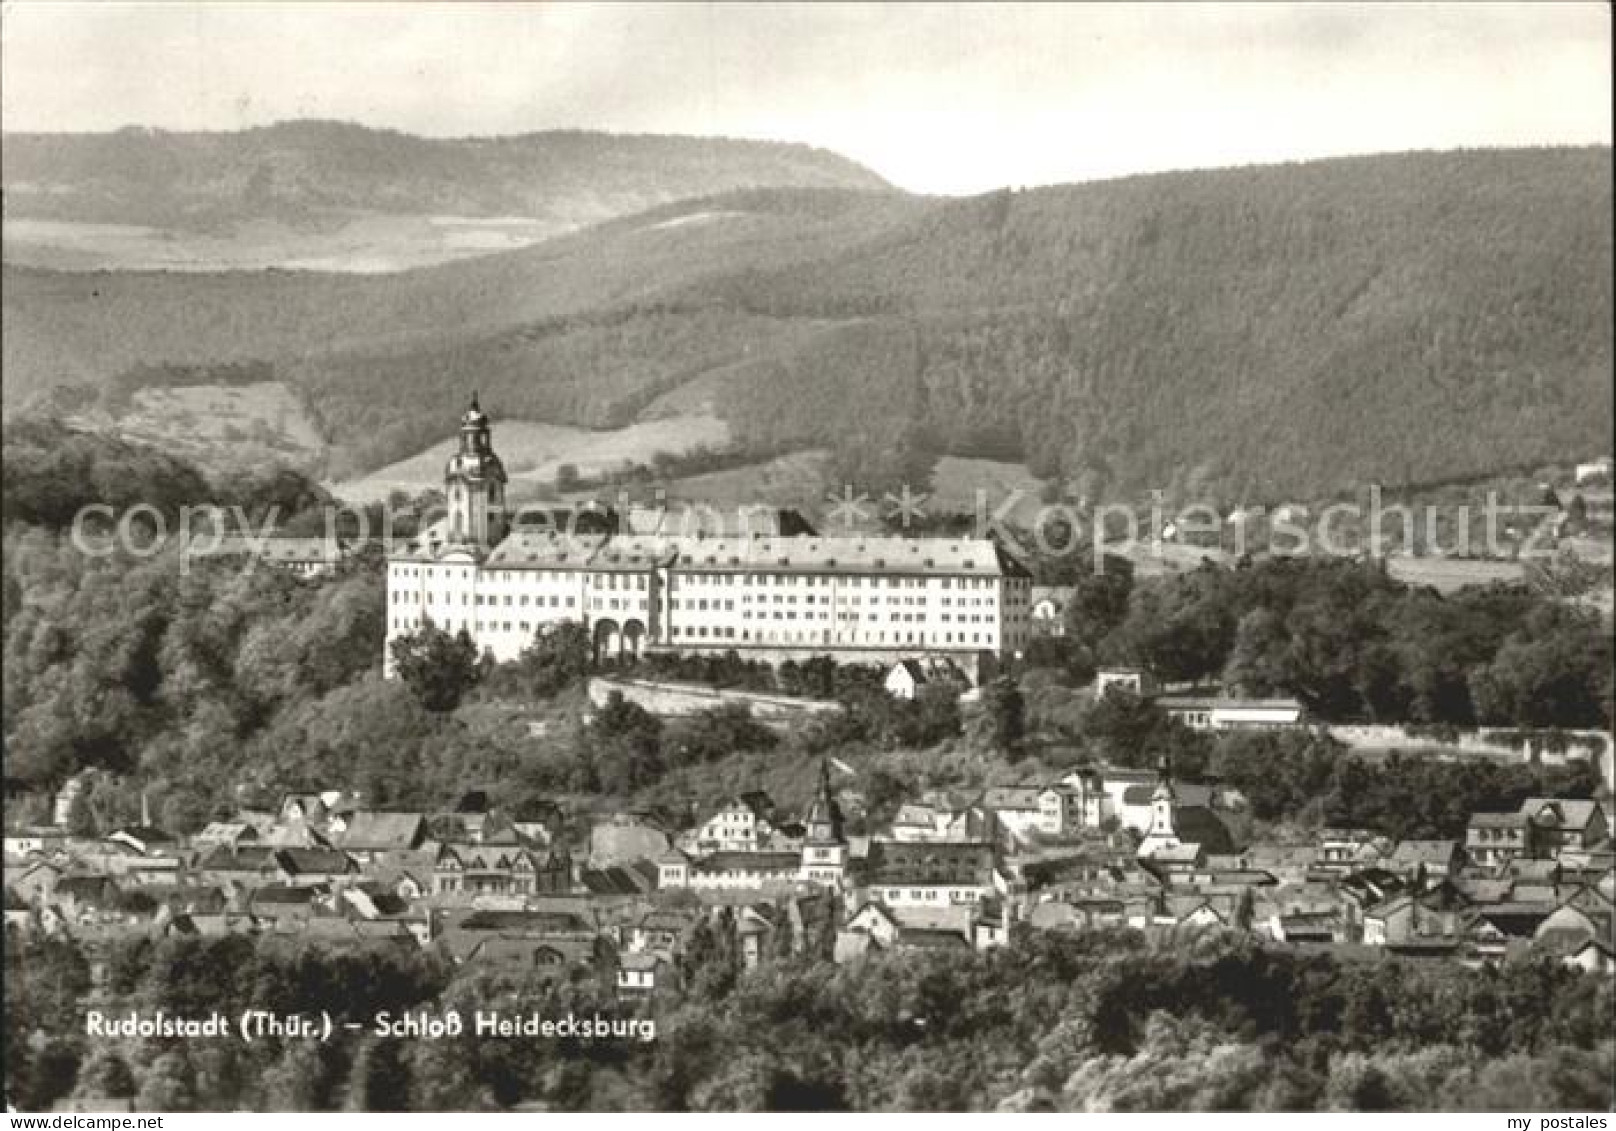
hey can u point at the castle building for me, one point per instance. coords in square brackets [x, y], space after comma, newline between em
[859, 599]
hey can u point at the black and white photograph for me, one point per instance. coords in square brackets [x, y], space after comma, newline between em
[575, 558]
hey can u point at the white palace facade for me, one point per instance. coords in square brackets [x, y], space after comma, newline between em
[858, 599]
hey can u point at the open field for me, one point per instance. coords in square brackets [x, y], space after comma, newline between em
[1447, 574]
[219, 425]
[794, 480]
[956, 480]
[364, 243]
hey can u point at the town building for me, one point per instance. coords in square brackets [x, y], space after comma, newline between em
[1228, 713]
[1134, 680]
[1048, 609]
[1494, 839]
[305, 557]
[932, 874]
[740, 824]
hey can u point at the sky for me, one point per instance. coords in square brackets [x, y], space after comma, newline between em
[936, 98]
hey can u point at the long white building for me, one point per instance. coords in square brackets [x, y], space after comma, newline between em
[855, 598]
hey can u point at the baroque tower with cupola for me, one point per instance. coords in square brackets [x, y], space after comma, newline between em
[474, 485]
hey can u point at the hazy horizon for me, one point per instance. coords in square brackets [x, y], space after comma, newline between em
[941, 99]
[145, 128]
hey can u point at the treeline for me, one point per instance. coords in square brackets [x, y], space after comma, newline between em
[49, 474]
[1102, 1020]
[1350, 642]
[622, 750]
[171, 670]
[1304, 777]
[819, 677]
[1313, 780]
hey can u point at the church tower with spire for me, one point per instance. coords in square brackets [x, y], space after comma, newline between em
[474, 485]
[1163, 833]
[824, 848]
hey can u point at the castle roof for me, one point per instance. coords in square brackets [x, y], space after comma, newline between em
[888, 556]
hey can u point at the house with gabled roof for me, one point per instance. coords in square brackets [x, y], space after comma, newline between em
[304, 866]
[746, 870]
[555, 957]
[1405, 918]
[1433, 859]
[1493, 839]
[365, 832]
[278, 902]
[664, 930]
[500, 870]
[876, 920]
[144, 839]
[1193, 911]
[247, 864]
[644, 973]
[227, 834]
[1017, 809]
[619, 881]
[36, 881]
[1559, 823]
[1344, 850]
[933, 874]
[741, 823]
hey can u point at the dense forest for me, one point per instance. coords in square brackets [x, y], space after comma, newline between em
[1097, 1021]
[1277, 331]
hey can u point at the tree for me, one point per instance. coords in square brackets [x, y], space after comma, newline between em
[437, 667]
[710, 735]
[380, 1079]
[1005, 712]
[625, 745]
[106, 1075]
[884, 793]
[1256, 664]
[168, 1084]
[81, 821]
[559, 655]
[1099, 600]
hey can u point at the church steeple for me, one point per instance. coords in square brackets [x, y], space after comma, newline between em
[824, 816]
[1163, 832]
[824, 848]
[474, 484]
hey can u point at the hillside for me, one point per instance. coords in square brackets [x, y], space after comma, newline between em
[344, 197]
[1270, 331]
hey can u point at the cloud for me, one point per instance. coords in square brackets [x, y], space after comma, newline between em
[937, 97]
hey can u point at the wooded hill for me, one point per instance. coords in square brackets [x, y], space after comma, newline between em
[320, 172]
[1274, 331]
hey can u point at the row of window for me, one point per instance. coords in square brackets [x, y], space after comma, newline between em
[640, 580]
[823, 636]
[929, 895]
[678, 580]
